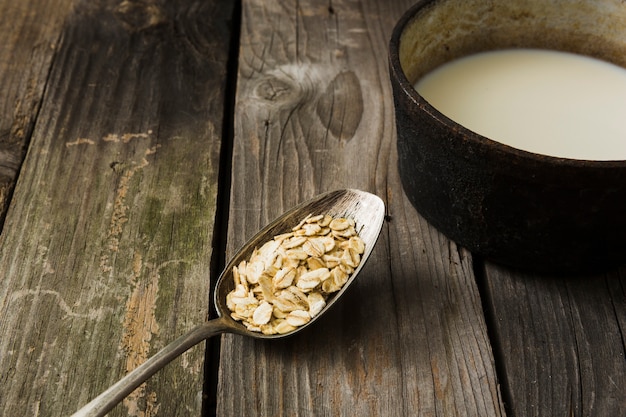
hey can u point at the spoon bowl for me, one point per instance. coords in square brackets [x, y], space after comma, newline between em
[368, 212]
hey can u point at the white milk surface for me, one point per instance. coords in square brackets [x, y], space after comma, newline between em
[547, 102]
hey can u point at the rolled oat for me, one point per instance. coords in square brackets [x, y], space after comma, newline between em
[288, 280]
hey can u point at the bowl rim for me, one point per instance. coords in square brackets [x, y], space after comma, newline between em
[397, 73]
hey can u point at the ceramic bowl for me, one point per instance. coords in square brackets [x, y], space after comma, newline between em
[518, 208]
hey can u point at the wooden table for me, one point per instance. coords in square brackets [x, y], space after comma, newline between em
[143, 141]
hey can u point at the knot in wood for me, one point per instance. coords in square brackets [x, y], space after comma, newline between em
[140, 15]
[336, 98]
[292, 83]
[275, 90]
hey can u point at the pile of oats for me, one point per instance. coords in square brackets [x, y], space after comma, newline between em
[288, 280]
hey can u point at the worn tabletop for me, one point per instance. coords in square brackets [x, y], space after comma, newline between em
[143, 141]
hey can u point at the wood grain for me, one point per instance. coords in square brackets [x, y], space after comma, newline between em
[29, 35]
[107, 244]
[314, 113]
[561, 341]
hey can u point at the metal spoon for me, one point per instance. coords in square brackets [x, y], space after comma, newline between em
[367, 210]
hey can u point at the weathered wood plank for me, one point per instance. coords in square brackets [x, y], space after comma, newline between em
[106, 251]
[561, 342]
[29, 33]
[314, 112]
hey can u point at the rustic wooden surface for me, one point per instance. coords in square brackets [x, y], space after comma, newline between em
[28, 45]
[314, 112]
[107, 245]
[560, 341]
[128, 110]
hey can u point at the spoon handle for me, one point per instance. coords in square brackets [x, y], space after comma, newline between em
[104, 402]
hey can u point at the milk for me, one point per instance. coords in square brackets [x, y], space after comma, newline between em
[547, 102]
